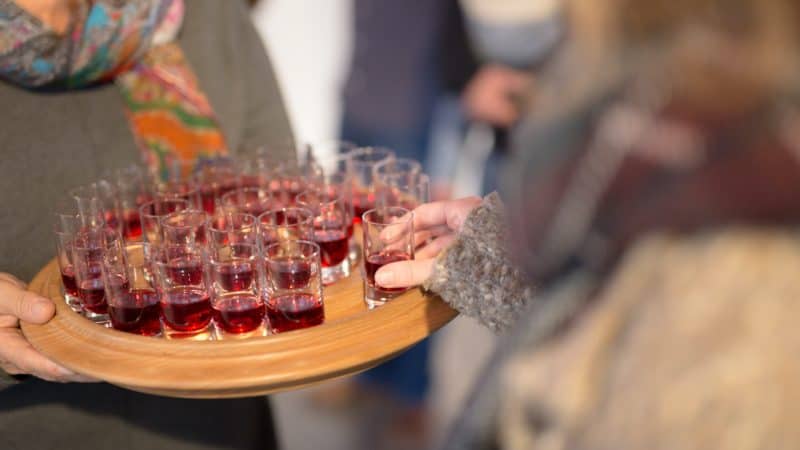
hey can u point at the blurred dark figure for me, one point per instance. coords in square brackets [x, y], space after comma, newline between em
[494, 76]
[389, 97]
[392, 85]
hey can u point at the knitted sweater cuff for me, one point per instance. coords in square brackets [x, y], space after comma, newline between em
[475, 274]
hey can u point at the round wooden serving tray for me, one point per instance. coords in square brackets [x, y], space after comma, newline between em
[351, 340]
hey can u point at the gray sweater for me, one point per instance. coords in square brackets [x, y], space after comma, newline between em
[55, 141]
[476, 276]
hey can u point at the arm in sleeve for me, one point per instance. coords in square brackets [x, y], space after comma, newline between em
[476, 276]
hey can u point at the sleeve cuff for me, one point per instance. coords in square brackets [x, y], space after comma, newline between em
[475, 274]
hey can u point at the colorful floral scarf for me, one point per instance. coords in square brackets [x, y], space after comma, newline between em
[131, 43]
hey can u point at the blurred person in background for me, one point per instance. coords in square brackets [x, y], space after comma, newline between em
[675, 117]
[93, 85]
[388, 101]
[509, 40]
[408, 59]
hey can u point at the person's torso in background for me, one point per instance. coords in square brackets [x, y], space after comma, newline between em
[393, 75]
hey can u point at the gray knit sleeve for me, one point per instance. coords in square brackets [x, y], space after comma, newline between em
[475, 274]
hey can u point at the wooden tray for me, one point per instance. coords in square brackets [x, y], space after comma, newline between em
[351, 340]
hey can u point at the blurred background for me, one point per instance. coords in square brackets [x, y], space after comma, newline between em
[435, 80]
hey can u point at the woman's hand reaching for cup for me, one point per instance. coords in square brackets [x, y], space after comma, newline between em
[436, 226]
[17, 356]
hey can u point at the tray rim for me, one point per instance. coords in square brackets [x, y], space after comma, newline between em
[375, 336]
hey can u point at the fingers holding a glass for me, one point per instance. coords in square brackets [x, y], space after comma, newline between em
[432, 228]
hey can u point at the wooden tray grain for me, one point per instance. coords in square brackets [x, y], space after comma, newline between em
[351, 340]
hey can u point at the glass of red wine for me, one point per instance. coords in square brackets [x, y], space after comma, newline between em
[362, 162]
[66, 226]
[152, 212]
[225, 228]
[238, 308]
[294, 177]
[185, 227]
[182, 280]
[98, 205]
[215, 178]
[388, 236]
[257, 171]
[133, 302]
[133, 190]
[285, 224]
[401, 183]
[331, 221]
[254, 201]
[88, 250]
[292, 286]
[187, 190]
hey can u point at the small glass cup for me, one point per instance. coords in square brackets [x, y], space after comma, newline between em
[295, 177]
[238, 308]
[187, 190]
[98, 205]
[255, 201]
[152, 212]
[331, 221]
[226, 228]
[88, 250]
[292, 288]
[131, 184]
[185, 227]
[388, 236]
[257, 171]
[215, 179]
[402, 189]
[362, 162]
[331, 157]
[182, 279]
[133, 303]
[285, 224]
[66, 226]
[407, 167]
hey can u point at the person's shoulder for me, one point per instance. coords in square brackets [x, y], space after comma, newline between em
[215, 30]
[218, 13]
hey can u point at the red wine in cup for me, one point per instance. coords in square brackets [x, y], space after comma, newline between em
[112, 221]
[208, 197]
[186, 309]
[235, 275]
[93, 295]
[136, 312]
[133, 225]
[362, 202]
[374, 262]
[289, 273]
[350, 230]
[292, 189]
[293, 312]
[333, 246]
[239, 313]
[68, 280]
[185, 270]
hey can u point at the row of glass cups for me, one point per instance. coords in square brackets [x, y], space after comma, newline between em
[230, 288]
[249, 270]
